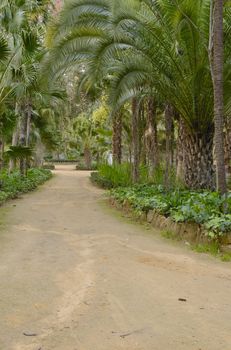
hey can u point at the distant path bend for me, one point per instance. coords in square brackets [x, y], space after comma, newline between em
[74, 276]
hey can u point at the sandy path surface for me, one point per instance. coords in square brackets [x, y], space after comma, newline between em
[74, 276]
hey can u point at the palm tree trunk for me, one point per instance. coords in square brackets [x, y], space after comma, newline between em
[117, 138]
[180, 153]
[217, 76]
[87, 157]
[39, 153]
[151, 135]
[135, 140]
[15, 138]
[28, 124]
[197, 150]
[142, 127]
[22, 141]
[169, 113]
[228, 143]
[1, 152]
[28, 130]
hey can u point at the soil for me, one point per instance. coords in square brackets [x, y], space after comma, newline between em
[75, 276]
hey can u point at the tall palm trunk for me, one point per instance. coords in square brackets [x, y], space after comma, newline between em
[228, 142]
[28, 130]
[217, 64]
[151, 135]
[2, 146]
[22, 141]
[87, 157]
[180, 156]
[14, 142]
[117, 138]
[135, 140]
[39, 153]
[169, 114]
[142, 121]
[28, 123]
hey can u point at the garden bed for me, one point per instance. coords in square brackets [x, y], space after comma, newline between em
[195, 217]
[14, 184]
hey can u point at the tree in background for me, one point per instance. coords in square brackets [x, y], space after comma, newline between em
[217, 71]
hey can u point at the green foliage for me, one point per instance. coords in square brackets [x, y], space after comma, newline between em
[13, 184]
[169, 235]
[212, 248]
[18, 152]
[112, 176]
[82, 166]
[226, 257]
[120, 175]
[99, 181]
[205, 208]
[4, 49]
[218, 225]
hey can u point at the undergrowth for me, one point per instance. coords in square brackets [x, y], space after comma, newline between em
[11, 185]
[203, 207]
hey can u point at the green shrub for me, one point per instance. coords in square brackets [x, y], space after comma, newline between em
[13, 184]
[120, 175]
[112, 176]
[205, 208]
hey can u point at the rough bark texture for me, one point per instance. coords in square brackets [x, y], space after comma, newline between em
[28, 124]
[228, 144]
[117, 138]
[135, 140]
[28, 130]
[22, 141]
[151, 137]
[39, 153]
[15, 138]
[217, 75]
[1, 152]
[169, 115]
[197, 152]
[87, 157]
[142, 127]
[180, 152]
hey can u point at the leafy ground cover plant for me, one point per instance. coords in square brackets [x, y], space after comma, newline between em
[205, 208]
[11, 185]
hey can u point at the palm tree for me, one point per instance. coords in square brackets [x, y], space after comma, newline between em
[159, 46]
[23, 24]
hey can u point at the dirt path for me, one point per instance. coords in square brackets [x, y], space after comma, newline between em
[73, 276]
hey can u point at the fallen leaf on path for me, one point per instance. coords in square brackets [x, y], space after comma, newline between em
[28, 334]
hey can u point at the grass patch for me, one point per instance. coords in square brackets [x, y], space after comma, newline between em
[169, 235]
[226, 257]
[212, 249]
